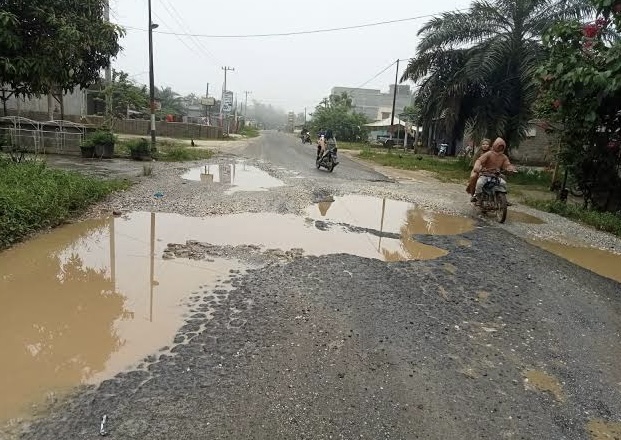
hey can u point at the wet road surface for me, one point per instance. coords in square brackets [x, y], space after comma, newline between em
[390, 322]
[286, 150]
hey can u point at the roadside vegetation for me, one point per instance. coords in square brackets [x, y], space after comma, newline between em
[603, 221]
[450, 169]
[34, 197]
[167, 151]
[250, 132]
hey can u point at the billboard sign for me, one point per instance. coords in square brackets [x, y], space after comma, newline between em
[227, 102]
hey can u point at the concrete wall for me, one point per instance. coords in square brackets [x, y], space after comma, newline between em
[74, 103]
[537, 149]
[137, 126]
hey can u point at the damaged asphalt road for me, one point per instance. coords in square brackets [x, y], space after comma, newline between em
[496, 340]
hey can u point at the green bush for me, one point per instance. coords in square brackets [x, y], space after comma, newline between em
[99, 137]
[604, 221]
[139, 146]
[33, 197]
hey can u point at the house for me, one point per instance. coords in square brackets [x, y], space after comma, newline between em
[375, 104]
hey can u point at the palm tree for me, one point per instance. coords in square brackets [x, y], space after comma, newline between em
[171, 101]
[476, 70]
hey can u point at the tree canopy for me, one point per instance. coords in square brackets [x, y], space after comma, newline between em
[336, 113]
[54, 45]
[476, 70]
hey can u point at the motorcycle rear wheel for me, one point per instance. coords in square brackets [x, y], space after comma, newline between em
[501, 207]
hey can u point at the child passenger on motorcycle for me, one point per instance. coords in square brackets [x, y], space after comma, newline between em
[323, 142]
[490, 163]
[485, 146]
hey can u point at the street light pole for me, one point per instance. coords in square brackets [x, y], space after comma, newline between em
[394, 102]
[246, 104]
[151, 78]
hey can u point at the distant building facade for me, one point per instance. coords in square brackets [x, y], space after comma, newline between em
[375, 104]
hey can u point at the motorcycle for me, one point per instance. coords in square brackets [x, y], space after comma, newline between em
[328, 160]
[494, 197]
[442, 150]
[306, 138]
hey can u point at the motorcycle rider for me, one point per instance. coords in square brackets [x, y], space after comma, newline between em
[489, 163]
[323, 142]
[485, 146]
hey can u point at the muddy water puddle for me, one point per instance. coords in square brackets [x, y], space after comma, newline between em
[604, 263]
[91, 299]
[599, 429]
[392, 216]
[85, 302]
[537, 380]
[522, 217]
[238, 175]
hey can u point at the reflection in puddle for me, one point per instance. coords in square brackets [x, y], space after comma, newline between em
[240, 176]
[522, 217]
[393, 216]
[542, 381]
[390, 216]
[601, 262]
[86, 301]
[602, 430]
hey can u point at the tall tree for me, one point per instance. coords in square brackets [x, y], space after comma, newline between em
[53, 46]
[336, 113]
[172, 102]
[477, 69]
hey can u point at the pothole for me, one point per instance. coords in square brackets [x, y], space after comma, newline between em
[237, 175]
[601, 262]
[88, 300]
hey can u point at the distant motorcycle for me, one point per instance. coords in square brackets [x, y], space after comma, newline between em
[306, 138]
[442, 150]
[328, 160]
[494, 197]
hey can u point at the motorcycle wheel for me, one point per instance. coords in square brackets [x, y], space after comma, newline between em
[575, 191]
[318, 165]
[331, 167]
[501, 207]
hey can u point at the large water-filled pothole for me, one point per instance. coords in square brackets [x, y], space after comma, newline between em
[237, 175]
[88, 300]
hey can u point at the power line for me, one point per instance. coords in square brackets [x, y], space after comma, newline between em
[177, 17]
[287, 34]
[376, 75]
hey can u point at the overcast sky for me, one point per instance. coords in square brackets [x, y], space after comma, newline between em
[290, 72]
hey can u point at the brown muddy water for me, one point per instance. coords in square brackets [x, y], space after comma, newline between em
[87, 300]
[522, 217]
[604, 263]
[237, 174]
[394, 216]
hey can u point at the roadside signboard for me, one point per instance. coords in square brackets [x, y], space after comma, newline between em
[227, 102]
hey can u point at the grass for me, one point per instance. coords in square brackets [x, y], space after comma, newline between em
[352, 145]
[34, 197]
[173, 152]
[167, 151]
[449, 169]
[250, 132]
[603, 221]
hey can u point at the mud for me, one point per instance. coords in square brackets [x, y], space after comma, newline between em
[541, 381]
[522, 217]
[603, 430]
[604, 263]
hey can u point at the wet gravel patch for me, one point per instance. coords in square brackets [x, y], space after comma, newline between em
[345, 347]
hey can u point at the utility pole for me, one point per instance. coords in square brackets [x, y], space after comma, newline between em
[109, 68]
[304, 115]
[246, 103]
[207, 97]
[226, 69]
[394, 101]
[151, 79]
